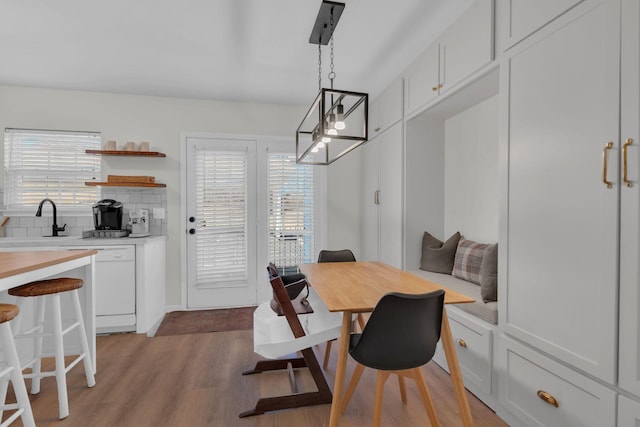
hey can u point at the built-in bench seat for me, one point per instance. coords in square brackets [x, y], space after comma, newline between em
[485, 311]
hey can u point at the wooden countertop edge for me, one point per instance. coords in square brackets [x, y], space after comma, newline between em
[26, 261]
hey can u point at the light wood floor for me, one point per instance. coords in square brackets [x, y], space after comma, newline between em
[195, 380]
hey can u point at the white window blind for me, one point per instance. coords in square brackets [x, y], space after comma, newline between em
[291, 211]
[221, 210]
[50, 164]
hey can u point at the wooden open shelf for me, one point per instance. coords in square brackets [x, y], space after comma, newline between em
[126, 153]
[124, 184]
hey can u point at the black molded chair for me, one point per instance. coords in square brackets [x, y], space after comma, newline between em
[342, 255]
[400, 337]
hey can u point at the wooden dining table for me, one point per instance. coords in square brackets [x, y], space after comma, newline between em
[356, 287]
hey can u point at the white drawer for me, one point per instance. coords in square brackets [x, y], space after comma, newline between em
[581, 402]
[474, 349]
[116, 253]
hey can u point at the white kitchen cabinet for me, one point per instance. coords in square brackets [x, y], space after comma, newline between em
[628, 412]
[467, 45]
[523, 17]
[386, 109]
[629, 341]
[382, 198]
[422, 78]
[464, 48]
[542, 392]
[559, 242]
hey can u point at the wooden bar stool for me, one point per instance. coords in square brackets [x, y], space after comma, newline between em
[12, 372]
[50, 290]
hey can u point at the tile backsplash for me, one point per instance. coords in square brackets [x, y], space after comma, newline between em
[131, 198]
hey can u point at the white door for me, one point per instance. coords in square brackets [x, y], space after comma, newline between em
[390, 196]
[562, 219]
[221, 212]
[370, 214]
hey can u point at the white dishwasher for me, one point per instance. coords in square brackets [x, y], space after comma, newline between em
[115, 275]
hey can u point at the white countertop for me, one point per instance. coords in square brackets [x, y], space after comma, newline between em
[10, 242]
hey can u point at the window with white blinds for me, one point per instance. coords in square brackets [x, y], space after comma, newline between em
[291, 212]
[50, 164]
[221, 211]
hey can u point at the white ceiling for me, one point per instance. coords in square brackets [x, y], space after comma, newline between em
[242, 50]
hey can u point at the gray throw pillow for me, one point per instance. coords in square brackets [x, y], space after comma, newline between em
[489, 274]
[438, 256]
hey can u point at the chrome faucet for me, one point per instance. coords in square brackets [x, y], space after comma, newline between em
[54, 227]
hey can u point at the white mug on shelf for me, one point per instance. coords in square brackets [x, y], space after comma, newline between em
[130, 146]
[144, 146]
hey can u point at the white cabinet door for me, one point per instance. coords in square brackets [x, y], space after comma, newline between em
[562, 93]
[386, 109]
[382, 198]
[523, 17]
[390, 105]
[628, 412]
[390, 197]
[422, 79]
[629, 342]
[370, 214]
[467, 45]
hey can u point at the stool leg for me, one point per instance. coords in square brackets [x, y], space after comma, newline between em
[61, 378]
[88, 368]
[4, 385]
[35, 381]
[20, 389]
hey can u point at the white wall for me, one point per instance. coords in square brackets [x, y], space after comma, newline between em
[160, 120]
[471, 196]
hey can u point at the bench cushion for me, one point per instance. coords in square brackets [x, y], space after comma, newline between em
[487, 311]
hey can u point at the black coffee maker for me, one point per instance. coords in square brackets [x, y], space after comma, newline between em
[107, 215]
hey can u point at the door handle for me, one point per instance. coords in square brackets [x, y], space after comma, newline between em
[192, 219]
[624, 162]
[192, 231]
[606, 149]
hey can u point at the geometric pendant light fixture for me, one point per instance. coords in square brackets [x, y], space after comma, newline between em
[337, 121]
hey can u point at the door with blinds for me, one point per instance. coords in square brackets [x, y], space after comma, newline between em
[248, 204]
[221, 226]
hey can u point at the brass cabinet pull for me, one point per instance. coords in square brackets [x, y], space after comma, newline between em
[435, 88]
[606, 149]
[440, 86]
[548, 398]
[377, 129]
[376, 197]
[462, 343]
[624, 161]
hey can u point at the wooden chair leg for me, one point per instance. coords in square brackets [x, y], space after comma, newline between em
[327, 355]
[357, 373]
[361, 321]
[403, 389]
[381, 378]
[426, 397]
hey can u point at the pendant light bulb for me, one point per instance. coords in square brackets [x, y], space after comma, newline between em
[324, 139]
[332, 132]
[314, 149]
[321, 143]
[339, 123]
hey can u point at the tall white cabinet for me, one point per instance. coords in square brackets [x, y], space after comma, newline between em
[570, 227]
[629, 342]
[382, 181]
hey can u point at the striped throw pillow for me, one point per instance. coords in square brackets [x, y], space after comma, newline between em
[468, 260]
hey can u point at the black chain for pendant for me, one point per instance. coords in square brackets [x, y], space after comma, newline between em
[332, 74]
[319, 67]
